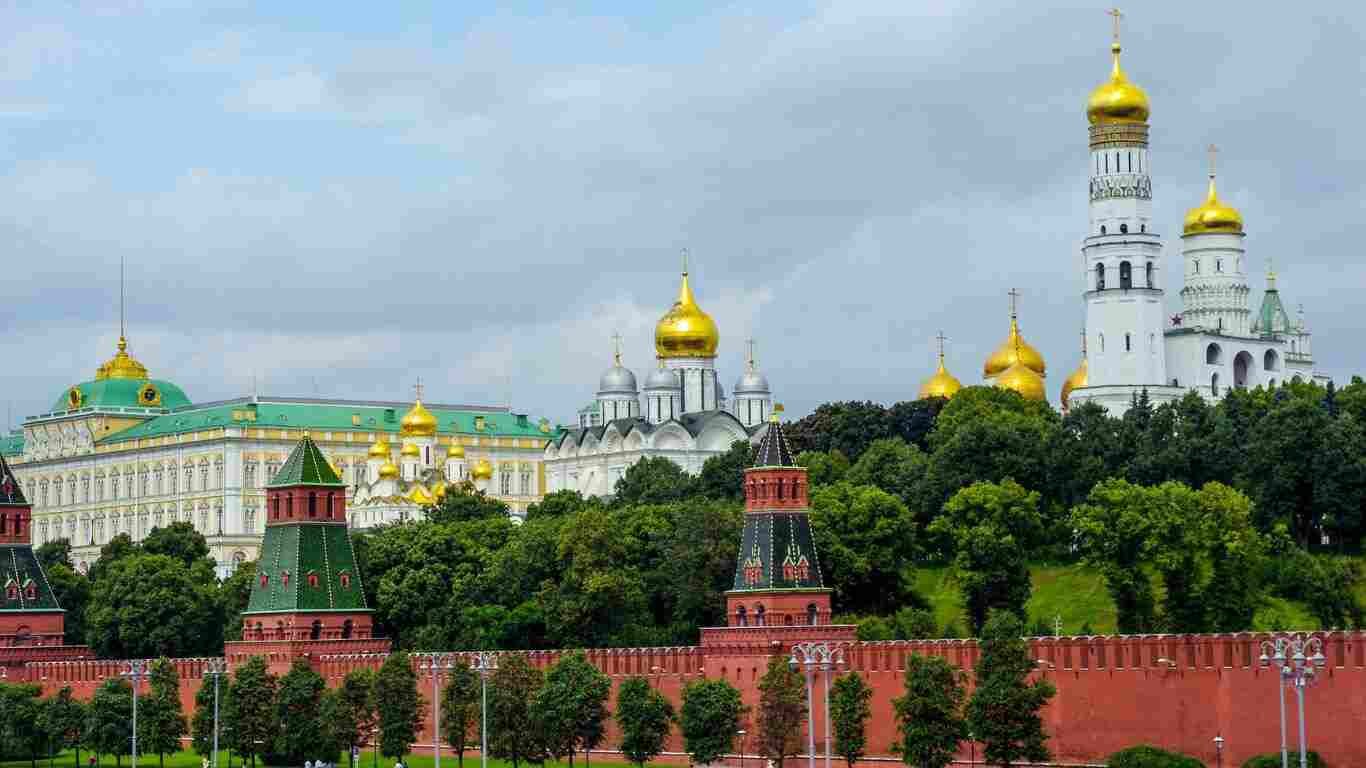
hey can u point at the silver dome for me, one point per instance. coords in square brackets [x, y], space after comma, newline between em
[617, 379]
[752, 383]
[662, 378]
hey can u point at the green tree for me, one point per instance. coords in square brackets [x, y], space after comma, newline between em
[72, 591]
[298, 702]
[153, 605]
[723, 476]
[400, 707]
[572, 706]
[823, 468]
[463, 503]
[65, 723]
[54, 552]
[913, 420]
[21, 730]
[894, 466]
[1003, 713]
[992, 527]
[782, 708]
[848, 427]
[161, 720]
[460, 708]
[709, 718]
[930, 715]
[850, 707]
[644, 716]
[118, 548]
[1151, 757]
[561, 503]
[653, 480]
[178, 540]
[250, 709]
[109, 724]
[599, 591]
[1114, 535]
[357, 713]
[233, 595]
[333, 732]
[201, 722]
[866, 537]
[514, 732]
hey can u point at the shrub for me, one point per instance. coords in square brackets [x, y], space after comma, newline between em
[1152, 757]
[1273, 760]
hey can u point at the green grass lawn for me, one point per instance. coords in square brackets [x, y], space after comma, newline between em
[420, 759]
[1077, 595]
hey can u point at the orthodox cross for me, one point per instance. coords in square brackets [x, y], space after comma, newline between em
[941, 338]
[685, 261]
[616, 347]
[750, 343]
[417, 388]
[1115, 13]
[1213, 156]
[1014, 297]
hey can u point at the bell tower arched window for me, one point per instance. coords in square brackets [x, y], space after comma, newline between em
[1100, 277]
[1126, 276]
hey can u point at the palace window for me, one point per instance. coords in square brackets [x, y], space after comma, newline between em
[250, 470]
[71, 490]
[218, 473]
[264, 580]
[204, 476]
[1124, 229]
[313, 580]
[171, 479]
[505, 481]
[189, 478]
[345, 578]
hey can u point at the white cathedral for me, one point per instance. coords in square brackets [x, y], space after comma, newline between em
[687, 417]
[1215, 342]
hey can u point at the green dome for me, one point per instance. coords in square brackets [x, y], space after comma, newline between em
[123, 393]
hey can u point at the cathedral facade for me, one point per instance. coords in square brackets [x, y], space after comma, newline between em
[686, 417]
[126, 453]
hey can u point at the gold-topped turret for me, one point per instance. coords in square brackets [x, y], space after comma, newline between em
[1213, 215]
[379, 449]
[1079, 377]
[1117, 100]
[483, 470]
[685, 330]
[942, 383]
[1014, 349]
[121, 365]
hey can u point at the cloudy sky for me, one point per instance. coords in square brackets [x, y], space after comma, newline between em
[338, 198]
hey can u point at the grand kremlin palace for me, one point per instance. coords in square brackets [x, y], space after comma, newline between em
[125, 453]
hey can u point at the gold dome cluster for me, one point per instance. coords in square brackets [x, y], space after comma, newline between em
[380, 449]
[1117, 100]
[941, 383]
[1077, 380]
[685, 330]
[1012, 351]
[1213, 216]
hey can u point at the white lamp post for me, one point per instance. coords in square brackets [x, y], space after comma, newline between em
[1297, 658]
[215, 668]
[815, 657]
[484, 663]
[436, 665]
[136, 670]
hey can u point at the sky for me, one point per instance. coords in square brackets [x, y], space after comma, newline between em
[337, 199]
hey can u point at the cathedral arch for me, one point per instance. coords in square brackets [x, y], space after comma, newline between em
[1126, 275]
[1214, 355]
[1242, 369]
[1271, 361]
[634, 441]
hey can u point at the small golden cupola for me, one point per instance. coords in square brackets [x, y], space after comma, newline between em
[1213, 216]
[457, 451]
[1078, 379]
[1014, 349]
[483, 470]
[1117, 100]
[388, 470]
[685, 330]
[1024, 380]
[379, 449]
[418, 421]
[942, 383]
[121, 365]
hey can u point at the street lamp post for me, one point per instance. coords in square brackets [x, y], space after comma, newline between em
[815, 657]
[741, 734]
[484, 663]
[972, 749]
[136, 670]
[1218, 751]
[215, 668]
[1297, 658]
[436, 665]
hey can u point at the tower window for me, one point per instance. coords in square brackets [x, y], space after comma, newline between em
[1130, 158]
[1142, 227]
[1218, 265]
[1100, 277]
[1195, 266]
[1102, 229]
[1128, 343]
[1124, 229]
[1149, 275]
[1126, 275]
[1107, 163]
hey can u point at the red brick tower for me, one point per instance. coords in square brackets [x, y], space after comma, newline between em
[29, 614]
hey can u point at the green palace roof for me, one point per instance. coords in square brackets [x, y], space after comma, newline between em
[324, 415]
[12, 444]
[154, 394]
[306, 465]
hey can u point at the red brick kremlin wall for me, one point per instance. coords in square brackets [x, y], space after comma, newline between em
[1173, 691]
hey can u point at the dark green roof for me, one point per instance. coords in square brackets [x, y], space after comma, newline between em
[12, 444]
[306, 465]
[11, 495]
[21, 570]
[777, 551]
[122, 393]
[322, 415]
[290, 553]
[1272, 319]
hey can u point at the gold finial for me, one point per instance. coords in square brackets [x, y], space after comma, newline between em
[1270, 273]
[616, 345]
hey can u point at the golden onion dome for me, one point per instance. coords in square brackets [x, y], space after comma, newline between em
[483, 470]
[941, 384]
[380, 449]
[121, 365]
[388, 470]
[1077, 380]
[1014, 350]
[420, 496]
[685, 330]
[457, 451]
[439, 491]
[409, 450]
[1024, 380]
[1117, 100]
[1213, 216]
[418, 421]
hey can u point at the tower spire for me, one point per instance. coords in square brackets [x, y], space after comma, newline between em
[749, 362]
[122, 329]
[616, 347]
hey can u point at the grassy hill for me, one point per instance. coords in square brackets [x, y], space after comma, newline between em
[1076, 594]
